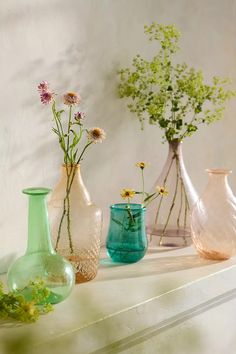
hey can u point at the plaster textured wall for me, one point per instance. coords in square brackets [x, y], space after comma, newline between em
[80, 45]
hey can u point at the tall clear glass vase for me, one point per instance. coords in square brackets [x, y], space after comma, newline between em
[76, 223]
[168, 221]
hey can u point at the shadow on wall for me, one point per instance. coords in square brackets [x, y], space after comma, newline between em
[71, 72]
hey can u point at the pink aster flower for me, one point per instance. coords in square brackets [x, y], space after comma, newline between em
[46, 97]
[71, 98]
[43, 86]
[78, 116]
[96, 135]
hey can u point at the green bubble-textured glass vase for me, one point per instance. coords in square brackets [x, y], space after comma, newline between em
[127, 240]
[40, 261]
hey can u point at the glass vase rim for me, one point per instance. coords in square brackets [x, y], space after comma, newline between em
[75, 165]
[36, 191]
[219, 171]
[133, 206]
[175, 141]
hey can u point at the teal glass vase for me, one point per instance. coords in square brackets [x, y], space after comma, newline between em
[40, 262]
[127, 240]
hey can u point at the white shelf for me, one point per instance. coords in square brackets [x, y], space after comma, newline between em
[130, 306]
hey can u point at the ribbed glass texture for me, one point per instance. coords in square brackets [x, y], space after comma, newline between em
[213, 219]
[126, 240]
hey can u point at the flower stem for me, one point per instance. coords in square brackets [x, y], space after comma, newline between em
[130, 212]
[66, 211]
[143, 187]
[83, 151]
[164, 185]
[181, 203]
[172, 204]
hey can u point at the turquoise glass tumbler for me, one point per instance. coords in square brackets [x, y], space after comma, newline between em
[127, 239]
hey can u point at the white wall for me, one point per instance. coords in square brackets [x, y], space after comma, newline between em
[79, 45]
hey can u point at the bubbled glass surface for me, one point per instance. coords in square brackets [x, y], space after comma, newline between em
[213, 219]
[126, 239]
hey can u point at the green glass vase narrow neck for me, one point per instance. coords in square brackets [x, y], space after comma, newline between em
[38, 227]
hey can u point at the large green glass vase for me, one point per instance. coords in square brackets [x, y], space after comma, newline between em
[127, 240]
[40, 261]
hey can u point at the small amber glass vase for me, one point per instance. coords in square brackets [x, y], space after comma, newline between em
[76, 223]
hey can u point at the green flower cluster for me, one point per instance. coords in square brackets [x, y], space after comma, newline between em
[173, 96]
[14, 305]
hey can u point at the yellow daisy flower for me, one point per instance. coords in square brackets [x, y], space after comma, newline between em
[127, 193]
[161, 190]
[141, 165]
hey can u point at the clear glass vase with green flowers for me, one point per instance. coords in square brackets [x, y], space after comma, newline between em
[176, 98]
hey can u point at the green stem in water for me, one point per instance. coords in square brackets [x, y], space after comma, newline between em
[130, 212]
[70, 179]
[164, 184]
[68, 209]
[172, 204]
[65, 210]
[181, 203]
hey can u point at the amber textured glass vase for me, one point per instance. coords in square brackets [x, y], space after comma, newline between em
[76, 223]
[213, 219]
[168, 217]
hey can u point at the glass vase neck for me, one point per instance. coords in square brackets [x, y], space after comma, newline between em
[175, 146]
[70, 168]
[71, 175]
[38, 227]
[218, 177]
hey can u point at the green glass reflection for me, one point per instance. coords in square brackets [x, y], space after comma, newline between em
[127, 240]
[40, 261]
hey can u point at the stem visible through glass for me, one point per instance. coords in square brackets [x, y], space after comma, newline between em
[184, 204]
[66, 201]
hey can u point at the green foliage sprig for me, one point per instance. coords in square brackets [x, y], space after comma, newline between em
[173, 96]
[14, 305]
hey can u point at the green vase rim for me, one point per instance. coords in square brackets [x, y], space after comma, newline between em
[36, 191]
[122, 206]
